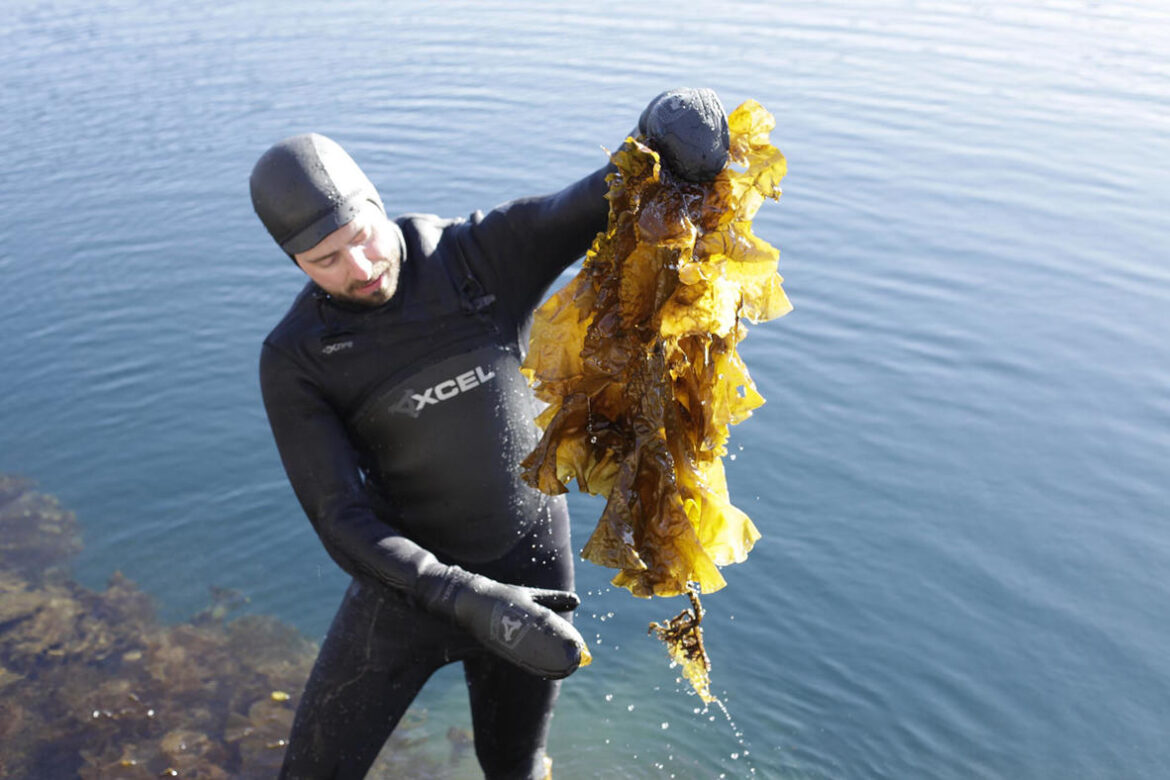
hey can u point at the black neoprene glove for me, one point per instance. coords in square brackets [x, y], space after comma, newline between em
[688, 129]
[514, 622]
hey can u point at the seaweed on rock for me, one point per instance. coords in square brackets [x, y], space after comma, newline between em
[92, 685]
[37, 537]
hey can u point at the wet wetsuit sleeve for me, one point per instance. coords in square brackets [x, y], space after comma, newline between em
[526, 243]
[322, 467]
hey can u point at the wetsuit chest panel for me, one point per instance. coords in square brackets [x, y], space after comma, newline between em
[356, 352]
[446, 442]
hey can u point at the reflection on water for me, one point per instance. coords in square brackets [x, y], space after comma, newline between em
[92, 685]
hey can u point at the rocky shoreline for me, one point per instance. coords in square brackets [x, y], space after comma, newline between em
[92, 685]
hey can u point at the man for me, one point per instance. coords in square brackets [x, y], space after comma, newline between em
[393, 390]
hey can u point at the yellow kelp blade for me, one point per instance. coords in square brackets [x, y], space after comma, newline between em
[684, 641]
[637, 359]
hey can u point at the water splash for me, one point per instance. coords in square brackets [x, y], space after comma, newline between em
[743, 753]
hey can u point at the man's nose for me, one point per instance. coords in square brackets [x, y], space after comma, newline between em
[361, 264]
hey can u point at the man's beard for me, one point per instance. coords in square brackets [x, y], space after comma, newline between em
[385, 289]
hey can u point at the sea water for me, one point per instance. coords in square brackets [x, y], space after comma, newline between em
[961, 469]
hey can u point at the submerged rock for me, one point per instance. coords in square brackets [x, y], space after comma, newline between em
[93, 686]
[37, 537]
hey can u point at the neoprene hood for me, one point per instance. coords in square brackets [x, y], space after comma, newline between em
[305, 187]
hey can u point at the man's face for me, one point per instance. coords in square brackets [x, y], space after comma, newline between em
[359, 261]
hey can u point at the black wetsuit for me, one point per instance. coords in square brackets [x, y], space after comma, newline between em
[401, 428]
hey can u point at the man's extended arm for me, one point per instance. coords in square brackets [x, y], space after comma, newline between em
[521, 246]
[528, 242]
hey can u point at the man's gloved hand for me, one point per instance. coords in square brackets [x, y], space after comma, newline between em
[514, 622]
[688, 128]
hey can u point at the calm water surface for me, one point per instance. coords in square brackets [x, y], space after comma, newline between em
[962, 469]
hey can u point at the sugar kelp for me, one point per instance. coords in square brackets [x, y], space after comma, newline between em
[637, 360]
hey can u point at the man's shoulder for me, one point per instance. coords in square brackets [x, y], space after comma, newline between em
[424, 232]
[298, 322]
